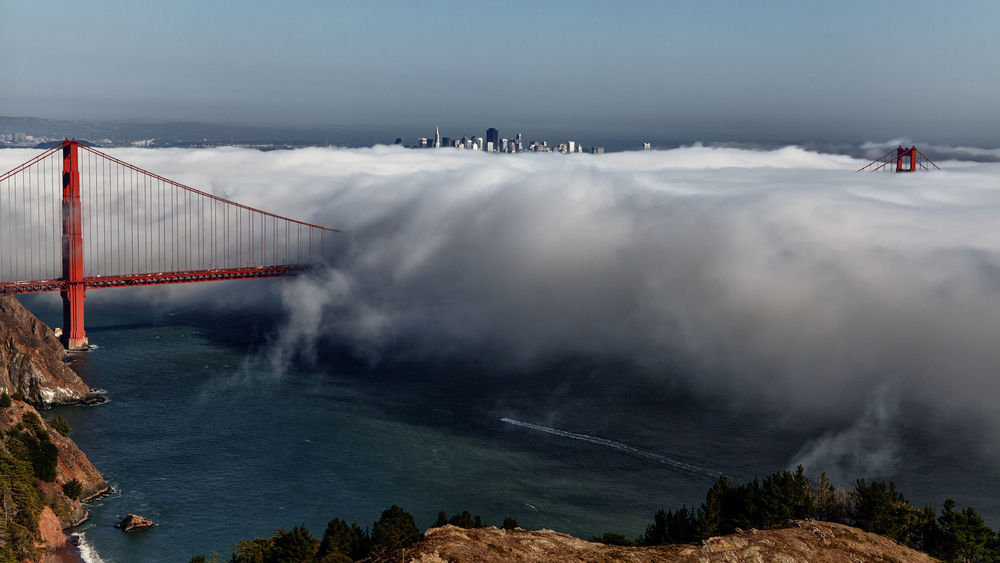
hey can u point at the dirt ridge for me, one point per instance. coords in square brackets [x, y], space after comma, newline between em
[800, 541]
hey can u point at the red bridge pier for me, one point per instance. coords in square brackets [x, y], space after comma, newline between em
[73, 336]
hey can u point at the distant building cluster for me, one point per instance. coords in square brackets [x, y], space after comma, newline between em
[24, 140]
[494, 143]
[21, 140]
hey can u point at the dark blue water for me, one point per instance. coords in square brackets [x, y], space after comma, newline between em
[202, 436]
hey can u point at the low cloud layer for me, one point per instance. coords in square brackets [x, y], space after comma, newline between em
[869, 446]
[780, 278]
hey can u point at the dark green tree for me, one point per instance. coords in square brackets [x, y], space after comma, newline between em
[784, 496]
[73, 489]
[364, 545]
[32, 443]
[295, 546]
[672, 527]
[832, 504]
[340, 538]
[442, 520]
[963, 535]
[5, 400]
[21, 502]
[728, 507]
[252, 551]
[509, 523]
[466, 520]
[32, 421]
[880, 508]
[61, 426]
[395, 529]
[713, 513]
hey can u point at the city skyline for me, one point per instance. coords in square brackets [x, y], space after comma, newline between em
[494, 143]
[694, 70]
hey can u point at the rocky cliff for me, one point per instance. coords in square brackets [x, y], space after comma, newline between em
[31, 361]
[802, 541]
[72, 464]
[44, 476]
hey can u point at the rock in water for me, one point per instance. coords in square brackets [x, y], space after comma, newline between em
[31, 361]
[134, 521]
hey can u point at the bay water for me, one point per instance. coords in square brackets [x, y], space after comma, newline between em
[205, 437]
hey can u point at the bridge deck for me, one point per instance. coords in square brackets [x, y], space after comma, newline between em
[158, 278]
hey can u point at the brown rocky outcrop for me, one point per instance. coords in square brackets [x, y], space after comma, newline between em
[804, 541]
[51, 530]
[31, 361]
[134, 522]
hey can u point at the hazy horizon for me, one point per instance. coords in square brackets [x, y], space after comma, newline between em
[706, 70]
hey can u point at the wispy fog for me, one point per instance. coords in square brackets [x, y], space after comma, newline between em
[776, 279]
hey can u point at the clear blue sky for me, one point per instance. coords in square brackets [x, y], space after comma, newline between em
[861, 69]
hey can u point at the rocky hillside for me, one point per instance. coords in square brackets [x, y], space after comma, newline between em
[59, 511]
[31, 361]
[44, 477]
[803, 540]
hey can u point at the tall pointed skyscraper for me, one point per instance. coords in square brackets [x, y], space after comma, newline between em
[437, 137]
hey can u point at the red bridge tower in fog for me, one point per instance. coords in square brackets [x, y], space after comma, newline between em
[140, 229]
[906, 160]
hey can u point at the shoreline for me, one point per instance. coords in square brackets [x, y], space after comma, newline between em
[69, 553]
[72, 552]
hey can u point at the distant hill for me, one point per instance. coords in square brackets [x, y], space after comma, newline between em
[111, 133]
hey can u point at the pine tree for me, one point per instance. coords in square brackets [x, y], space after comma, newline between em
[395, 529]
[339, 537]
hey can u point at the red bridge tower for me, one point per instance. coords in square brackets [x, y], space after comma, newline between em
[907, 160]
[74, 337]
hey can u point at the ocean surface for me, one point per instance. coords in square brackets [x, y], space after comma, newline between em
[204, 437]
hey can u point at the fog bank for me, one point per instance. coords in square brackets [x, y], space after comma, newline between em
[776, 279]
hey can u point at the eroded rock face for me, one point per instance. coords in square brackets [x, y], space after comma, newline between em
[31, 361]
[806, 540]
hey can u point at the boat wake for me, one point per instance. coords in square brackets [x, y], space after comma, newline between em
[687, 467]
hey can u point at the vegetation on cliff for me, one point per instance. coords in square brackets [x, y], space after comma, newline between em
[782, 499]
[343, 542]
[25, 459]
[39, 468]
[877, 507]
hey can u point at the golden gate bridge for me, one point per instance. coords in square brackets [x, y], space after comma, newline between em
[74, 218]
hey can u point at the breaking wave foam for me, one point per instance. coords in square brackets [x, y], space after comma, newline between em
[87, 551]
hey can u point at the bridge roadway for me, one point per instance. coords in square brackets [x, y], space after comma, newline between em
[159, 278]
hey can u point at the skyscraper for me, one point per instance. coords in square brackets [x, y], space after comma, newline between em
[493, 136]
[437, 137]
